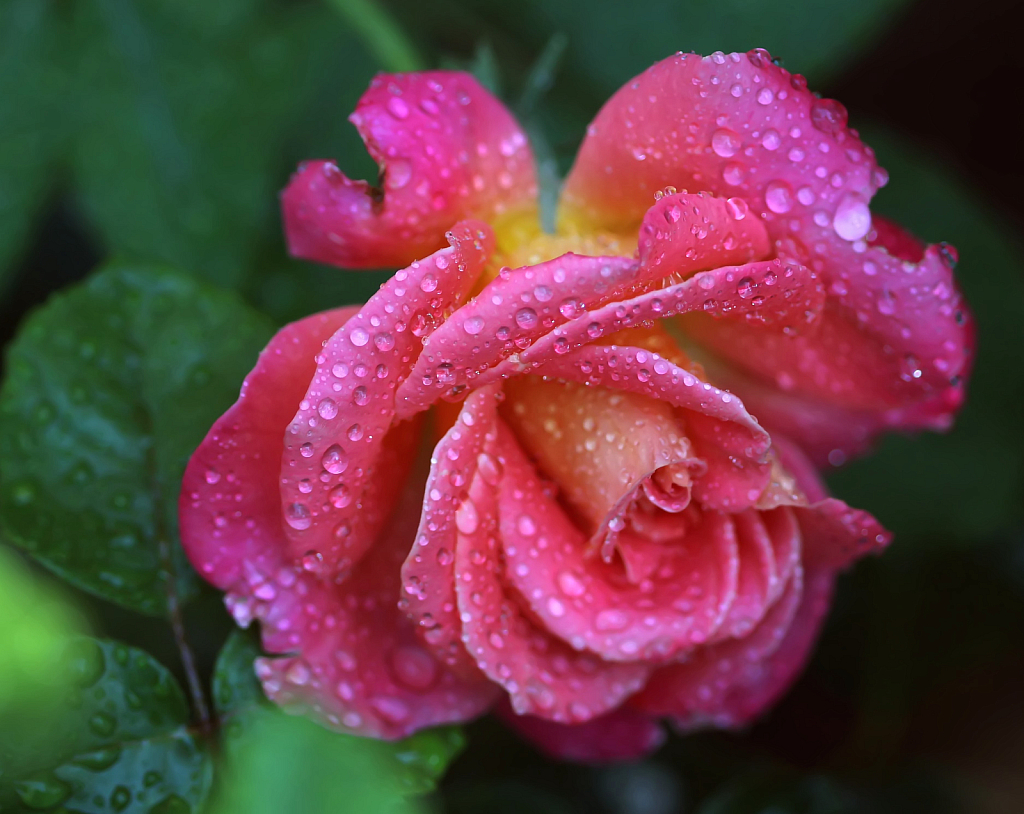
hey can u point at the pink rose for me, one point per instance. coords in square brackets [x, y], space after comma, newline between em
[604, 537]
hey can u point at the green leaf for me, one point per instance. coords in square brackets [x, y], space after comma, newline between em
[30, 118]
[110, 387]
[413, 765]
[123, 745]
[198, 98]
[967, 485]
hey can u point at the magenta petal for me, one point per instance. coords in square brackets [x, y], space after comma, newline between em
[229, 509]
[428, 575]
[723, 433]
[447, 151]
[360, 666]
[542, 674]
[757, 133]
[513, 310]
[729, 683]
[335, 442]
[766, 292]
[623, 734]
[682, 233]
[592, 605]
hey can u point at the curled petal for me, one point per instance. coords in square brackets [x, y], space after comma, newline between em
[334, 443]
[511, 312]
[447, 151]
[542, 674]
[623, 734]
[591, 604]
[428, 574]
[757, 133]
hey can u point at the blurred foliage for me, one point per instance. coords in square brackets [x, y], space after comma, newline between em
[109, 388]
[412, 766]
[166, 128]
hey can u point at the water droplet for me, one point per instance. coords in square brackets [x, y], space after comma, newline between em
[737, 208]
[429, 281]
[359, 336]
[86, 662]
[467, 520]
[526, 525]
[355, 432]
[555, 607]
[171, 805]
[360, 396]
[339, 496]
[725, 143]
[212, 476]
[765, 96]
[473, 325]
[397, 107]
[444, 557]
[852, 220]
[384, 342]
[828, 115]
[42, 791]
[526, 318]
[103, 724]
[570, 584]
[334, 460]
[98, 760]
[745, 288]
[771, 140]
[778, 197]
[327, 408]
[611, 619]
[297, 516]
[312, 561]
[569, 308]
[120, 797]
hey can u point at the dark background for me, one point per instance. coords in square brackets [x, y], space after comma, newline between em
[913, 701]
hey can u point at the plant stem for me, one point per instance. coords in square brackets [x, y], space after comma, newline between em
[381, 34]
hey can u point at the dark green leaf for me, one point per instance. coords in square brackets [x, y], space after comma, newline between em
[31, 79]
[414, 764]
[123, 744]
[198, 98]
[110, 387]
[968, 485]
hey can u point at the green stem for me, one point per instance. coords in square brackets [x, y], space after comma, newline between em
[385, 40]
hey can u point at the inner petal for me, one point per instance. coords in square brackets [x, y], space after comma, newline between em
[600, 445]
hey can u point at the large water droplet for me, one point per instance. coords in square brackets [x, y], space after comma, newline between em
[334, 460]
[327, 408]
[852, 220]
[297, 516]
[778, 197]
[526, 318]
[725, 143]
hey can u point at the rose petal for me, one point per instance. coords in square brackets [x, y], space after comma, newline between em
[513, 309]
[543, 675]
[360, 666]
[447, 151]
[428, 574]
[229, 509]
[723, 433]
[593, 605]
[334, 443]
[623, 734]
[727, 684]
[757, 133]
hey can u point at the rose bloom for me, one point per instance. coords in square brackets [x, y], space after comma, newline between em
[602, 536]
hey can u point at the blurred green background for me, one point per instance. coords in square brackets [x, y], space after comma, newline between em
[155, 135]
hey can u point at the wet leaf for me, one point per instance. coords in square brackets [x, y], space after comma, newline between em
[413, 765]
[109, 388]
[122, 744]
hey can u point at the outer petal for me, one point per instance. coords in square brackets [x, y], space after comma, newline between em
[620, 735]
[447, 151]
[229, 509]
[360, 666]
[334, 444]
[754, 131]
